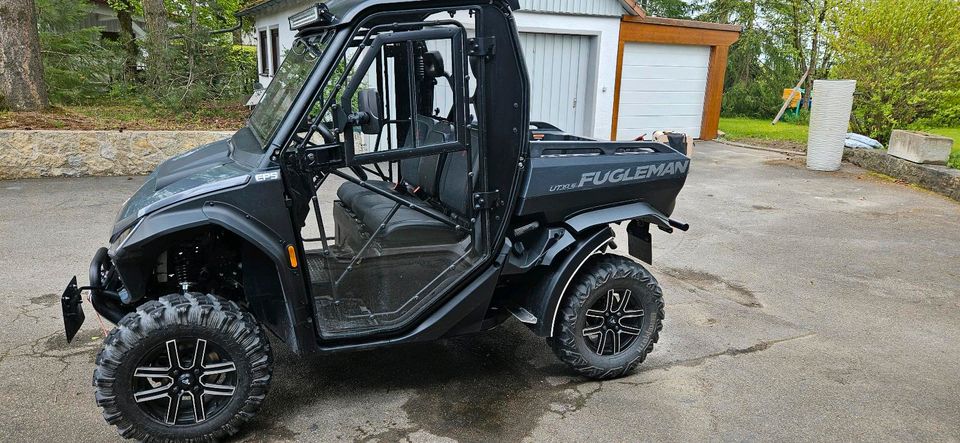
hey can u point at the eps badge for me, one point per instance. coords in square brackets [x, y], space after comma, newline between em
[267, 176]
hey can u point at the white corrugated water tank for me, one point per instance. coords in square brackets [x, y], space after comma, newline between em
[829, 119]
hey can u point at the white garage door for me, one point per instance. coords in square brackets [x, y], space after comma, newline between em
[662, 88]
[560, 77]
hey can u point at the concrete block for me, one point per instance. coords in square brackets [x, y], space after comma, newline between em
[920, 147]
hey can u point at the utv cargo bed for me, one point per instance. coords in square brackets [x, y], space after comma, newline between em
[571, 174]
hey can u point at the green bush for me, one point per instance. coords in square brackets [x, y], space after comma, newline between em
[905, 56]
[243, 61]
[78, 65]
[83, 67]
[803, 118]
[204, 67]
[757, 73]
[954, 161]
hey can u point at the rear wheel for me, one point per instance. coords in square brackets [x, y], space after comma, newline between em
[609, 319]
[183, 368]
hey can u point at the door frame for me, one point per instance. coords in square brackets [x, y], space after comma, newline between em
[590, 93]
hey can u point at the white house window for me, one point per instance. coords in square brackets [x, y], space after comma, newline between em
[262, 47]
[268, 48]
[274, 50]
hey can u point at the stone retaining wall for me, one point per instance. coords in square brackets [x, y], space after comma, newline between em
[29, 154]
[940, 179]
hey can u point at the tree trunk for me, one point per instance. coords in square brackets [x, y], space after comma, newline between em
[818, 21]
[155, 16]
[129, 39]
[21, 70]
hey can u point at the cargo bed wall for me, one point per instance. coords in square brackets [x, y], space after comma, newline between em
[568, 177]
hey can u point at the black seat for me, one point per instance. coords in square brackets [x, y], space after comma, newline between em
[408, 227]
[437, 181]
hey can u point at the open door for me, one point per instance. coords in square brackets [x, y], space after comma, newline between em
[396, 229]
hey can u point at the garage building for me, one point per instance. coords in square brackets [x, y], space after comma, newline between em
[599, 68]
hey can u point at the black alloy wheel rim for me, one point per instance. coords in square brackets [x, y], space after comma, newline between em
[613, 322]
[184, 381]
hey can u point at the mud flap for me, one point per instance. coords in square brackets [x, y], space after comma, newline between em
[72, 311]
[639, 241]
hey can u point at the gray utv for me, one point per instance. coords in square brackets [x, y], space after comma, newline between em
[389, 188]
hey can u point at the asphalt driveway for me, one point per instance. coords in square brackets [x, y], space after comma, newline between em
[800, 306]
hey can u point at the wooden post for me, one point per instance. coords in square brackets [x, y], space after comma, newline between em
[714, 95]
[786, 102]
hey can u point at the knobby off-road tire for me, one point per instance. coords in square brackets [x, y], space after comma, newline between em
[617, 297]
[227, 360]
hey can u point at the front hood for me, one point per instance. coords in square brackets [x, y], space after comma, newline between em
[200, 171]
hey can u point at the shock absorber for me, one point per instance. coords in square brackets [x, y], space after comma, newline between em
[186, 265]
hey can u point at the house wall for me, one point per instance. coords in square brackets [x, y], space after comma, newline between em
[580, 7]
[605, 30]
[276, 18]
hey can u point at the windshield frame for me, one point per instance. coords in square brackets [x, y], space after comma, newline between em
[314, 45]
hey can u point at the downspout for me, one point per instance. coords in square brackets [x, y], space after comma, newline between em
[218, 31]
[226, 30]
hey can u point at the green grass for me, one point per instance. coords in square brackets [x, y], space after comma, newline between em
[740, 128]
[953, 133]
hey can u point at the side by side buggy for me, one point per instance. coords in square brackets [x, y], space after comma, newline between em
[389, 188]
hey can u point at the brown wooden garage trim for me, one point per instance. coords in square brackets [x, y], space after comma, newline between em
[719, 37]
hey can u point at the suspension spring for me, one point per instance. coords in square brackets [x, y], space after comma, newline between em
[185, 266]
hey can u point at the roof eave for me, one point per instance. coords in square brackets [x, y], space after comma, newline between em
[633, 8]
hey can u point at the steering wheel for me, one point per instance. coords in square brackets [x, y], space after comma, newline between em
[325, 132]
[329, 138]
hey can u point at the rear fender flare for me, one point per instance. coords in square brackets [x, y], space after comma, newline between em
[615, 214]
[545, 297]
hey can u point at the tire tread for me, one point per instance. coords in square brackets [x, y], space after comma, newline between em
[183, 309]
[598, 271]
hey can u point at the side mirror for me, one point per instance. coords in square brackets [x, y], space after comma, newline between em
[258, 86]
[369, 105]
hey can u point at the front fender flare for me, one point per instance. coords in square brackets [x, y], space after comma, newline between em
[292, 325]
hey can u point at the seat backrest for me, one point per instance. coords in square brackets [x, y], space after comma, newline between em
[410, 167]
[455, 178]
[441, 177]
[441, 132]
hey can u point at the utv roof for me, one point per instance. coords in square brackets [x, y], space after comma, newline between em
[344, 11]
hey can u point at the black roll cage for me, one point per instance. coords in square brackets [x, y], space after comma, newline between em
[457, 309]
[329, 102]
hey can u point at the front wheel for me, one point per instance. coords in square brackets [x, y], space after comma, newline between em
[609, 319]
[186, 367]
